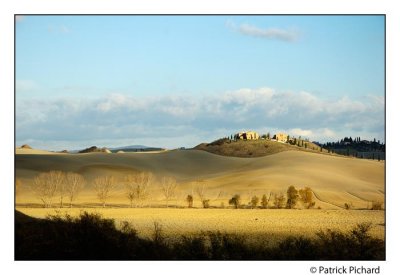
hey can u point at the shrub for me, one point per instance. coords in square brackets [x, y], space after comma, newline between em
[355, 245]
[348, 206]
[206, 203]
[235, 201]
[376, 205]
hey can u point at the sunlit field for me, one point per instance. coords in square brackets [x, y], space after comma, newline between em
[276, 223]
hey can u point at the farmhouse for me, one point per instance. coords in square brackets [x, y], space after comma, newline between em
[281, 137]
[249, 135]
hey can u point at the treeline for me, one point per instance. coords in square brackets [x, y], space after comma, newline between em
[90, 237]
[56, 188]
[369, 149]
[304, 196]
[60, 186]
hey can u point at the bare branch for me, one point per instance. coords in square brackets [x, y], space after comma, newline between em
[137, 187]
[104, 186]
[74, 184]
[45, 186]
[168, 188]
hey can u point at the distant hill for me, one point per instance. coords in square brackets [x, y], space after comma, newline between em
[252, 148]
[135, 148]
[26, 146]
[95, 149]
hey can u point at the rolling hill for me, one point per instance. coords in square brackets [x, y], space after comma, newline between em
[335, 180]
[252, 148]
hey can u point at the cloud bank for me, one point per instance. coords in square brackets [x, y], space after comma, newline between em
[178, 120]
[291, 35]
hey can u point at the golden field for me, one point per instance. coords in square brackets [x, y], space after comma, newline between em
[273, 223]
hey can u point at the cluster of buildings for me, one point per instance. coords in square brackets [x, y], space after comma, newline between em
[251, 135]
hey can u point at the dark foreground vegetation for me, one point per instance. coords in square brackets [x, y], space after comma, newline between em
[90, 237]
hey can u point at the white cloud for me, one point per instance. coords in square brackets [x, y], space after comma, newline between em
[25, 85]
[173, 118]
[300, 132]
[288, 35]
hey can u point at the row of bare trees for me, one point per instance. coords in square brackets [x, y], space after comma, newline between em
[66, 185]
[49, 185]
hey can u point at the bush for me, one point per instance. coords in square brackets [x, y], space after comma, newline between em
[206, 203]
[348, 206]
[355, 245]
[235, 201]
[87, 237]
[376, 205]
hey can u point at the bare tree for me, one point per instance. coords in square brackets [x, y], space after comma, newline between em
[104, 186]
[201, 190]
[137, 187]
[58, 177]
[168, 188]
[74, 184]
[45, 187]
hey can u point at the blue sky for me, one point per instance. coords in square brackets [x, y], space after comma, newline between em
[174, 81]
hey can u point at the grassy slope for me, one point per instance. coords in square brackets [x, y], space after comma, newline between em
[252, 148]
[335, 180]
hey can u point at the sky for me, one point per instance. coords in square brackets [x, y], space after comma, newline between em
[173, 81]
